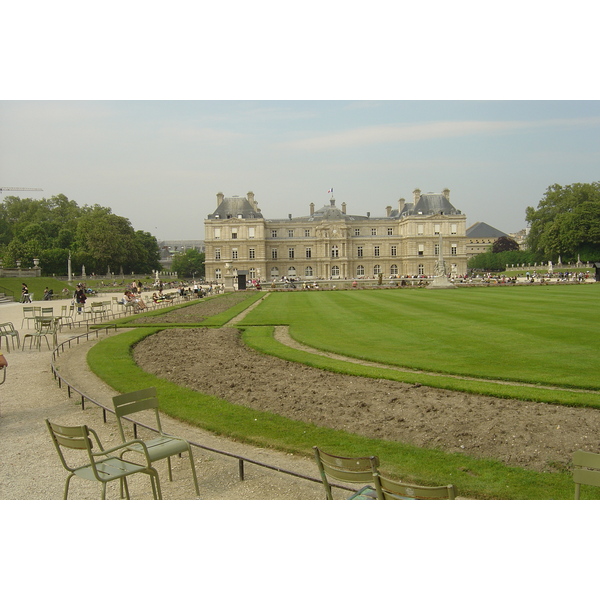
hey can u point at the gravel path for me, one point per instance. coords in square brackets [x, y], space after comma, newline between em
[30, 468]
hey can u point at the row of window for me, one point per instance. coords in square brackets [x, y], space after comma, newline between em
[335, 252]
[335, 271]
[308, 232]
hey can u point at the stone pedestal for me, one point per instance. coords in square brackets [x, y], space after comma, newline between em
[440, 282]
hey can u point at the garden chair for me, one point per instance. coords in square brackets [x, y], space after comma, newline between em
[395, 490]
[47, 311]
[163, 446]
[98, 310]
[348, 470]
[44, 327]
[66, 315]
[586, 470]
[29, 314]
[8, 331]
[102, 466]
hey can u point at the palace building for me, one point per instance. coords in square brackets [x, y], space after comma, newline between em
[329, 243]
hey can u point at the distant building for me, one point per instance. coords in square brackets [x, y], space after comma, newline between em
[480, 236]
[170, 248]
[329, 243]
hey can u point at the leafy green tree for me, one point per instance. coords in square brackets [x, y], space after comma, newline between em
[148, 251]
[189, 264]
[566, 222]
[95, 236]
[105, 239]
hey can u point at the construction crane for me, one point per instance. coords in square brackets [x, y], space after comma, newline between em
[17, 189]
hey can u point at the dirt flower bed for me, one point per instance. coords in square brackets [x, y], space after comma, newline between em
[197, 313]
[530, 435]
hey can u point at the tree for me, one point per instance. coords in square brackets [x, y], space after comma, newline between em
[189, 264]
[504, 244]
[566, 222]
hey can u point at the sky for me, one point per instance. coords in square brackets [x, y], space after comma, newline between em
[160, 163]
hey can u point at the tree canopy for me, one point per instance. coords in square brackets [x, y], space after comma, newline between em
[189, 264]
[566, 222]
[49, 229]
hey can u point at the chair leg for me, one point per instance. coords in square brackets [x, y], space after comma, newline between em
[103, 496]
[66, 494]
[194, 472]
[126, 487]
[156, 491]
[170, 472]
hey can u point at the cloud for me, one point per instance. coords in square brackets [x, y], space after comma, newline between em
[384, 134]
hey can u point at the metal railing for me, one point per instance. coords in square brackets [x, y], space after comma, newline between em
[64, 346]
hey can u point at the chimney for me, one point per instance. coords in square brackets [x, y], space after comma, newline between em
[368, 215]
[312, 209]
[417, 195]
[401, 204]
[446, 193]
[290, 216]
[220, 197]
[252, 201]
[388, 210]
[343, 208]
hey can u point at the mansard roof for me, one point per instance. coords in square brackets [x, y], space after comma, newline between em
[236, 207]
[483, 230]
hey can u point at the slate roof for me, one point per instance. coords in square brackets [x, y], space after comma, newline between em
[483, 230]
[230, 208]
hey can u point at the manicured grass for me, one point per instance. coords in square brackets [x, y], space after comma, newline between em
[540, 335]
[111, 359]
[36, 286]
[261, 339]
[520, 334]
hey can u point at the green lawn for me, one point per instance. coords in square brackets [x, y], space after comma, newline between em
[546, 334]
[543, 334]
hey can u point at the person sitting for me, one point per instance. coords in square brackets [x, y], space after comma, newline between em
[48, 294]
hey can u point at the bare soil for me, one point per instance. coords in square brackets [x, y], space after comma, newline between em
[214, 361]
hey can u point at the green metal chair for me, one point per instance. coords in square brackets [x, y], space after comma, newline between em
[44, 327]
[348, 470]
[66, 316]
[163, 446]
[388, 489]
[102, 467]
[47, 311]
[586, 470]
[29, 314]
[8, 331]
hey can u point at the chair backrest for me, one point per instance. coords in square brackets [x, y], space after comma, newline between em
[135, 402]
[586, 470]
[344, 468]
[73, 438]
[387, 489]
[7, 328]
[29, 310]
[45, 324]
[47, 310]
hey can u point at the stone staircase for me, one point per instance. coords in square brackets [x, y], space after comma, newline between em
[4, 298]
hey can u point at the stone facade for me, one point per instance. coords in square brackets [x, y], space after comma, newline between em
[331, 244]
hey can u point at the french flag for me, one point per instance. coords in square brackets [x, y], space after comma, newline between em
[330, 191]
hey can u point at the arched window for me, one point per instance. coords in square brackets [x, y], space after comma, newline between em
[360, 271]
[308, 272]
[394, 270]
[376, 269]
[335, 271]
[292, 272]
[274, 272]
